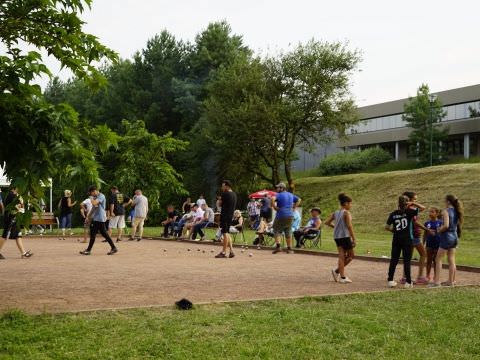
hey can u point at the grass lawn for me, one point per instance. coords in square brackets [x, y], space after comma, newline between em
[418, 324]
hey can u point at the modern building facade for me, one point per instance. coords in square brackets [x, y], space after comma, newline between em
[382, 126]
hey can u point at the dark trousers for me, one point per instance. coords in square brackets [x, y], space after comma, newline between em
[405, 248]
[96, 227]
[299, 236]
[167, 229]
[198, 229]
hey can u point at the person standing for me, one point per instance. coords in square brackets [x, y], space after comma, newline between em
[201, 200]
[186, 206]
[65, 206]
[253, 213]
[13, 205]
[266, 208]
[228, 204]
[99, 217]
[118, 203]
[85, 209]
[140, 203]
[284, 203]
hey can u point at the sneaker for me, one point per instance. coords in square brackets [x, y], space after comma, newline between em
[85, 252]
[344, 280]
[231, 255]
[221, 255]
[113, 251]
[277, 250]
[403, 281]
[118, 240]
[421, 281]
[27, 254]
[139, 238]
[434, 285]
[290, 251]
[335, 275]
[392, 284]
[448, 283]
[408, 285]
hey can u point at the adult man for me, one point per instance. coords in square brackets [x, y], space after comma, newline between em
[99, 216]
[208, 218]
[172, 216]
[197, 218]
[229, 202]
[85, 209]
[283, 203]
[13, 205]
[141, 211]
[266, 208]
[118, 203]
[253, 210]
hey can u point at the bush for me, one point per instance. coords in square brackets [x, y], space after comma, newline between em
[351, 162]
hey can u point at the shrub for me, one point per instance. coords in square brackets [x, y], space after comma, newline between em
[351, 162]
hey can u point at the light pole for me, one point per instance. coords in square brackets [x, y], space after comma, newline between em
[431, 98]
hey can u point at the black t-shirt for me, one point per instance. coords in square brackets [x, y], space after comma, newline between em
[10, 198]
[173, 214]
[229, 202]
[118, 199]
[402, 223]
[64, 208]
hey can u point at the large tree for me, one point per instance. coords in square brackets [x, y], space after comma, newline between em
[41, 140]
[260, 111]
[424, 115]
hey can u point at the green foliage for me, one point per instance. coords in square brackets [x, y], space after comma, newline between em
[424, 117]
[355, 161]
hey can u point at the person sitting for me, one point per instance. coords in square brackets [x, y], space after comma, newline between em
[235, 227]
[312, 227]
[208, 218]
[197, 218]
[178, 227]
[260, 232]
[168, 224]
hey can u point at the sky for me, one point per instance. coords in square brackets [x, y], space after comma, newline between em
[403, 43]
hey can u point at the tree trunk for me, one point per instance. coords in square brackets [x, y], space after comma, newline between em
[288, 174]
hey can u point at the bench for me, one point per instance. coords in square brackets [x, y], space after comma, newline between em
[46, 218]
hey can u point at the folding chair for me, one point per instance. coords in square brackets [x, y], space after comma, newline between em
[314, 239]
[240, 232]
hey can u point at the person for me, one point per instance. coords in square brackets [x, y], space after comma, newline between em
[260, 232]
[400, 223]
[218, 204]
[186, 205]
[297, 220]
[283, 203]
[201, 200]
[236, 225]
[312, 227]
[118, 202]
[207, 218]
[13, 205]
[253, 211]
[141, 211]
[2, 207]
[450, 231]
[85, 209]
[228, 204]
[417, 242]
[432, 241]
[266, 208]
[344, 237]
[168, 223]
[65, 205]
[99, 216]
[186, 218]
[197, 218]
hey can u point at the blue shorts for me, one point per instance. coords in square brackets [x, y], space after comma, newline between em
[416, 241]
[448, 240]
[433, 243]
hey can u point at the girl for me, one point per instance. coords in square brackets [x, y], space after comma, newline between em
[65, 205]
[343, 236]
[450, 231]
[432, 241]
[400, 223]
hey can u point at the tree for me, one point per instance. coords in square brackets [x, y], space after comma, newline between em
[264, 109]
[424, 117]
[41, 140]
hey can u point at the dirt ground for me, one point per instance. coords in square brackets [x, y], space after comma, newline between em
[152, 272]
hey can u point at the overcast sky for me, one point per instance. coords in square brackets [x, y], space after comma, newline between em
[404, 43]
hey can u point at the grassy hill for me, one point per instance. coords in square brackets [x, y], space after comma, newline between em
[375, 195]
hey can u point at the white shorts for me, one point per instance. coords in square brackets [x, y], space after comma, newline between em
[117, 222]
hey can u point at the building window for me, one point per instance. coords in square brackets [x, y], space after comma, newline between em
[453, 146]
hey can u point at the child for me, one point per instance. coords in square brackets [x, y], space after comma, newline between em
[450, 231]
[343, 236]
[432, 241]
[400, 223]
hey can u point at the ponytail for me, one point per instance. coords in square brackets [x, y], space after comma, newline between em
[403, 203]
[458, 206]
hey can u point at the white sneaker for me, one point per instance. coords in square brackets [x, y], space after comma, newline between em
[335, 275]
[408, 285]
[392, 284]
[346, 280]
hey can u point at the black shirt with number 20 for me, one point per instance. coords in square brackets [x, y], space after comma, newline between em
[402, 222]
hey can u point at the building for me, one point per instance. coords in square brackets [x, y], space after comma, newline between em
[382, 125]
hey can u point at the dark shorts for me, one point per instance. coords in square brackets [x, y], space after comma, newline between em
[266, 214]
[433, 243]
[14, 232]
[225, 223]
[344, 243]
[448, 240]
[283, 225]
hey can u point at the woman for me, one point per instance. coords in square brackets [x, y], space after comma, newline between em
[237, 222]
[65, 206]
[450, 231]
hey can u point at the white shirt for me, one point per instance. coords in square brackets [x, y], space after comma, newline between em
[141, 206]
[199, 214]
[200, 202]
[87, 203]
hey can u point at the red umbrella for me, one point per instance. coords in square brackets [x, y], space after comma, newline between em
[261, 193]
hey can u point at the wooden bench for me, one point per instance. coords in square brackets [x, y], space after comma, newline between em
[46, 218]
